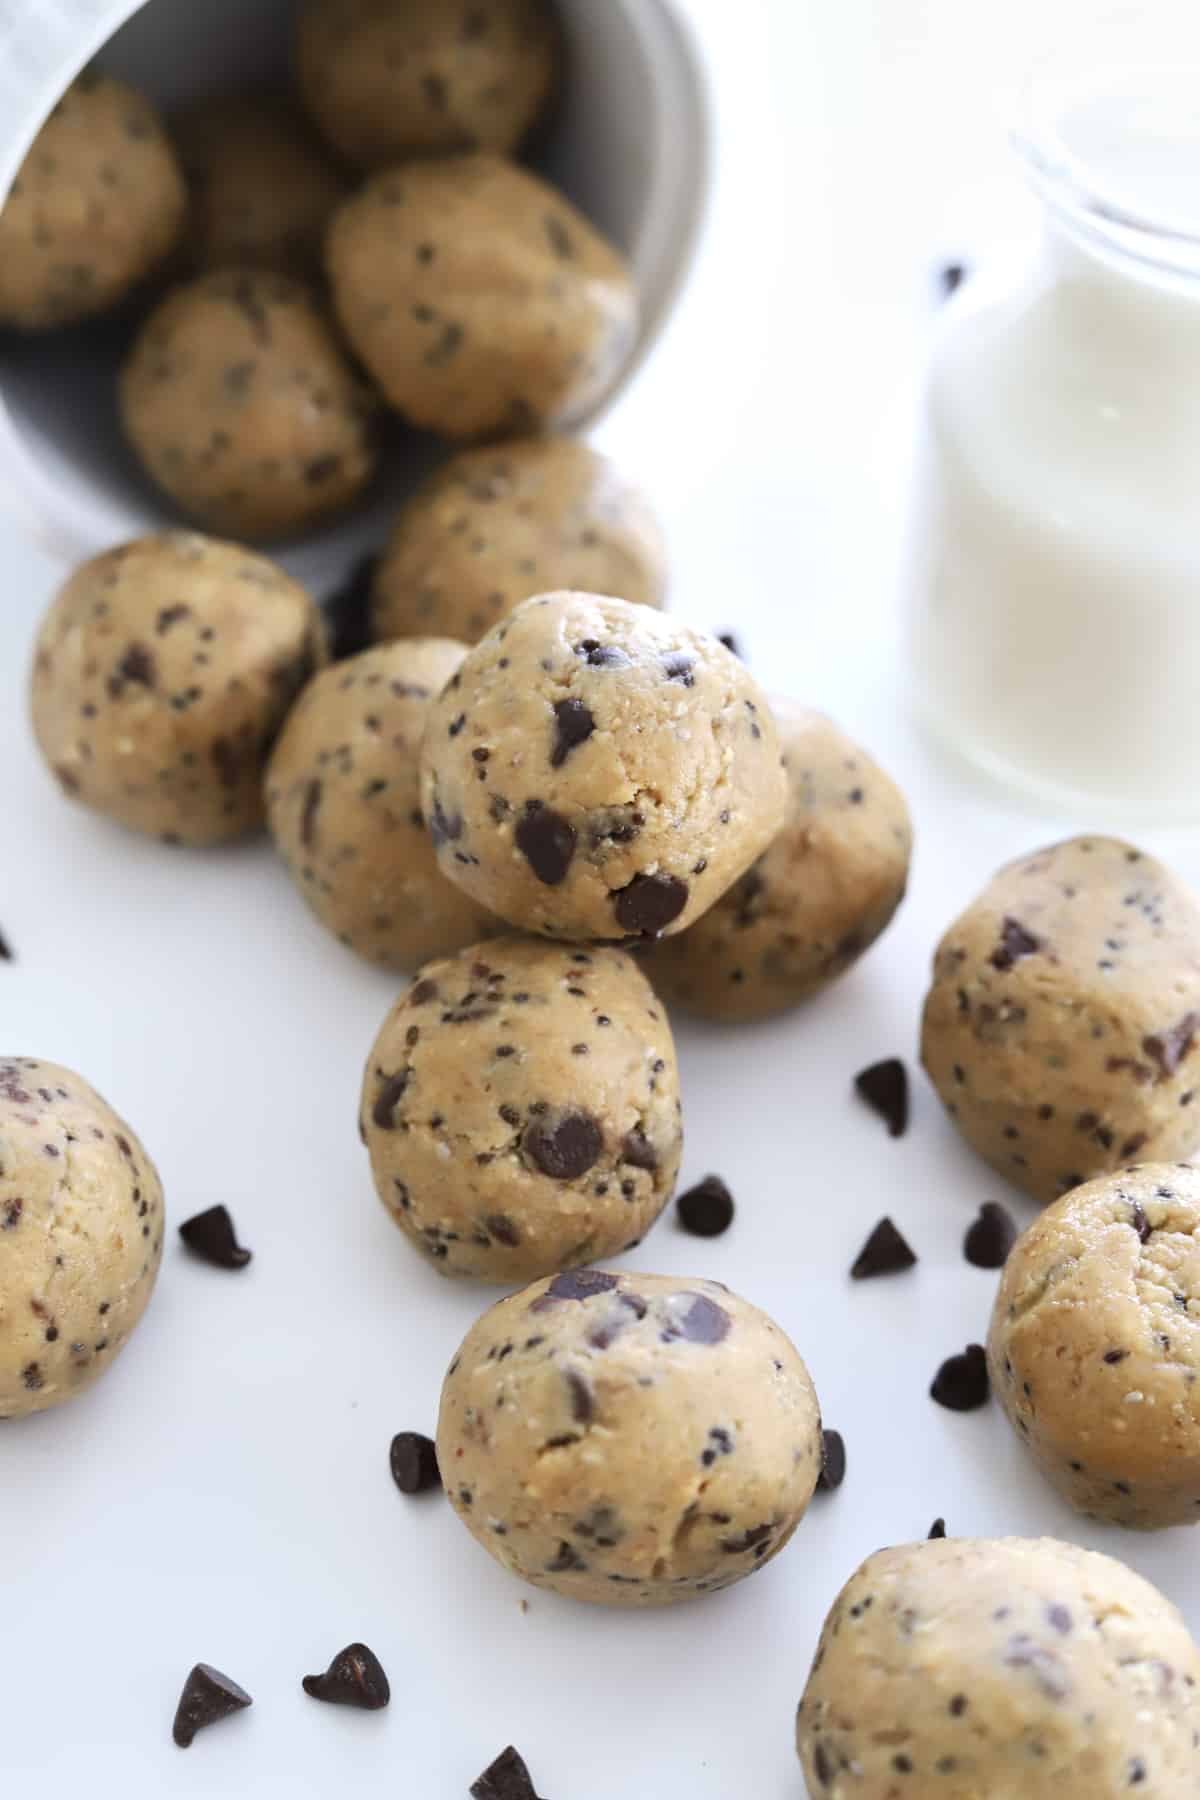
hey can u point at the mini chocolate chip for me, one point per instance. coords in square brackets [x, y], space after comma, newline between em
[731, 643]
[937, 1529]
[390, 1093]
[547, 842]
[990, 1238]
[1140, 1223]
[211, 1235]
[444, 827]
[566, 1150]
[507, 1778]
[1115, 1356]
[137, 665]
[638, 1150]
[355, 1677]
[704, 1322]
[423, 992]
[706, 1210]
[884, 1087]
[414, 1463]
[677, 666]
[961, 1384]
[581, 1398]
[649, 903]
[1169, 1048]
[207, 1697]
[833, 1460]
[573, 724]
[308, 813]
[602, 656]
[1060, 1618]
[580, 1284]
[501, 1227]
[1015, 942]
[951, 277]
[885, 1253]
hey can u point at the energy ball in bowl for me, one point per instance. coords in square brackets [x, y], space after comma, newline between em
[1012, 1668]
[521, 1109]
[1062, 1029]
[387, 80]
[242, 406]
[161, 676]
[494, 526]
[631, 1440]
[596, 770]
[1094, 1348]
[262, 189]
[481, 302]
[815, 900]
[96, 206]
[342, 805]
[81, 1234]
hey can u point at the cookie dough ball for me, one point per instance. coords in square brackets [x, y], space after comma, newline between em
[478, 298]
[629, 1439]
[391, 79]
[262, 190]
[595, 770]
[1019, 1669]
[161, 676]
[1062, 1029]
[342, 805]
[1095, 1345]
[497, 525]
[815, 900]
[243, 408]
[81, 1234]
[521, 1109]
[97, 205]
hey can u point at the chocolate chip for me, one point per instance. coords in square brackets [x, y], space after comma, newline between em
[1140, 1223]
[444, 827]
[582, 1406]
[678, 667]
[579, 1284]
[137, 665]
[355, 1677]
[990, 1238]
[308, 812]
[211, 1235]
[573, 724]
[638, 1151]
[505, 1779]
[731, 643]
[1168, 1048]
[390, 1092]
[547, 842]
[937, 1529]
[951, 277]
[207, 1697]
[414, 1463]
[648, 904]
[833, 1460]
[884, 1253]
[6, 954]
[565, 1150]
[1015, 942]
[704, 1322]
[706, 1210]
[961, 1384]
[501, 1227]
[348, 610]
[884, 1087]
[602, 656]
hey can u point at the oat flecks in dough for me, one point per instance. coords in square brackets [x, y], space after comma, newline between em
[81, 1234]
[630, 1440]
[630, 829]
[1062, 1028]
[1094, 1347]
[1019, 1669]
[162, 673]
[521, 1109]
[344, 808]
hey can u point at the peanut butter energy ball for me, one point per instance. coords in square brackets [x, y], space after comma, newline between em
[631, 1440]
[162, 674]
[243, 407]
[81, 1234]
[97, 204]
[478, 298]
[1062, 1029]
[342, 804]
[387, 80]
[494, 526]
[521, 1109]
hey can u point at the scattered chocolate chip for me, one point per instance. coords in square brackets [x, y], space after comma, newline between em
[137, 665]
[6, 954]
[990, 1237]
[884, 1253]
[731, 643]
[1168, 1048]
[582, 1405]
[649, 903]
[573, 724]
[961, 1384]
[207, 1697]
[704, 1322]
[355, 1677]
[884, 1087]
[951, 277]
[348, 611]
[211, 1234]
[706, 1210]
[414, 1463]
[391, 1090]
[309, 810]
[444, 827]
[937, 1529]
[833, 1460]
[547, 842]
[678, 666]
[565, 1150]
[579, 1284]
[602, 656]
[1140, 1223]
[1015, 942]
[638, 1151]
[506, 1779]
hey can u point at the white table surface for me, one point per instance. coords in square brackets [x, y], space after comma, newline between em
[224, 1493]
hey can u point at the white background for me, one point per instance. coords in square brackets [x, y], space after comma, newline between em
[224, 1493]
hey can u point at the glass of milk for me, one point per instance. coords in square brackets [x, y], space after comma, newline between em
[1054, 577]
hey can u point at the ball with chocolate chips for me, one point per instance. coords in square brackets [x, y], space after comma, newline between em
[631, 1440]
[95, 207]
[494, 526]
[387, 80]
[1019, 1669]
[161, 676]
[241, 405]
[816, 899]
[81, 1234]
[480, 300]
[521, 1109]
[262, 189]
[1094, 1347]
[632, 770]
[342, 805]
[1062, 1029]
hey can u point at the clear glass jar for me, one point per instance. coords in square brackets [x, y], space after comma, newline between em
[1054, 576]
